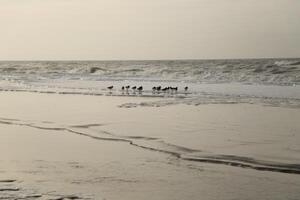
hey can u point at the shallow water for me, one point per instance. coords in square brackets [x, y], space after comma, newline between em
[56, 146]
[250, 136]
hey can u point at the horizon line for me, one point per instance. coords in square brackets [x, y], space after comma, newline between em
[165, 59]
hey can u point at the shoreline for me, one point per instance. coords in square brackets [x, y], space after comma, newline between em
[36, 145]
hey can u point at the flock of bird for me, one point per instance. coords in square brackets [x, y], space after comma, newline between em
[154, 89]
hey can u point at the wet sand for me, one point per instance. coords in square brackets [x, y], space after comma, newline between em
[88, 147]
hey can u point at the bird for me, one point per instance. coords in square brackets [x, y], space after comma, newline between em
[134, 87]
[154, 88]
[127, 87]
[164, 89]
[174, 88]
[140, 88]
[110, 87]
[158, 88]
[123, 88]
[186, 88]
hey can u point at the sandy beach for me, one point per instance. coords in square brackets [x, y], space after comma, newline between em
[57, 146]
[149, 100]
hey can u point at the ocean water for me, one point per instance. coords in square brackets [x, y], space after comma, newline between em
[268, 81]
[184, 151]
[262, 71]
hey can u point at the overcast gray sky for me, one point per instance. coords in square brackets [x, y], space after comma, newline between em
[148, 29]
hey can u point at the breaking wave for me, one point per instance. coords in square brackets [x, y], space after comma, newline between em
[253, 71]
[273, 82]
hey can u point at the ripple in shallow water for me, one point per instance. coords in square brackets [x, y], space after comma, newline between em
[182, 153]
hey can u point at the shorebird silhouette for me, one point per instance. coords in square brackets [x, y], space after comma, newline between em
[186, 88]
[164, 89]
[127, 87]
[123, 88]
[140, 88]
[134, 87]
[110, 87]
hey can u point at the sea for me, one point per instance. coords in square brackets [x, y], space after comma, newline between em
[144, 147]
[274, 82]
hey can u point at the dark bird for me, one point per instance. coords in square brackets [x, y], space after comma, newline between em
[174, 88]
[140, 88]
[110, 87]
[127, 87]
[186, 88]
[154, 88]
[134, 87]
[123, 88]
[158, 88]
[164, 89]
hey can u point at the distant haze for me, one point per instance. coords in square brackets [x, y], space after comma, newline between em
[148, 29]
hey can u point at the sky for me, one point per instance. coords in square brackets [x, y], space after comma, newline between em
[148, 29]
